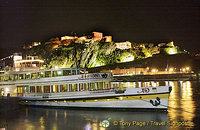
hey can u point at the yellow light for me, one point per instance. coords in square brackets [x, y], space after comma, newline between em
[56, 67]
[183, 69]
[187, 68]
[154, 70]
[59, 72]
[171, 69]
[131, 58]
[7, 89]
[21, 61]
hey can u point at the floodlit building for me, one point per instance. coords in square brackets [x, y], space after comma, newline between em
[123, 45]
[97, 35]
[108, 38]
[127, 71]
[68, 38]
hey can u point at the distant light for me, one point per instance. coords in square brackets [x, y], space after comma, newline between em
[171, 69]
[87, 127]
[59, 72]
[131, 58]
[7, 89]
[172, 51]
[22, 61]
[154, 70]
[187, 68]
[56, 67]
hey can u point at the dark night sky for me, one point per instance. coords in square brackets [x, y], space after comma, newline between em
[25, 21]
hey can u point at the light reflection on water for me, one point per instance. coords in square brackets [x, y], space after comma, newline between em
[182, 107]
[181, 101]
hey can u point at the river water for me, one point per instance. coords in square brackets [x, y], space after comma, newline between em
[183, 113]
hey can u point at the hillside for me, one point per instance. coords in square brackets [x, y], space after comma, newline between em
[94, 53]
[161, 62]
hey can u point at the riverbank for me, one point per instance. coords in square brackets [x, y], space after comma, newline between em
[157, 77]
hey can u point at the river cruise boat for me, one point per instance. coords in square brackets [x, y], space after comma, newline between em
[72, 87]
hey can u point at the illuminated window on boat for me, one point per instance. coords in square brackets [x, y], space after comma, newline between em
[33, 76]
[54, 88]
[32, 89]
[11, 77]
[1, 91]
[39, 89]
[15, 76]
[57, 73]
[46, 89]
[64, 88]
[92, 86]
[70, 87]
[73, 72]
[6, 78]
[47, 73]
[107, 85]
[19, 90]
[27, 76]
[26, 89]
[66, 72]
[54, 73]
[28, 64]
[60, 73]
[2, 78]
[23, 65]
[74, 87]
[81, 87]
[35, 64]
[100, 86]
[86, 86]
[40, 74]
[21, 76]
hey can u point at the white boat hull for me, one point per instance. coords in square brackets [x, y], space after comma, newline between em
[131, 98]
[108, 104]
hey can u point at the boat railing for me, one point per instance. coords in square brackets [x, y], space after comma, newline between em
[31, 94]
[103, 91]
[68, 94]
